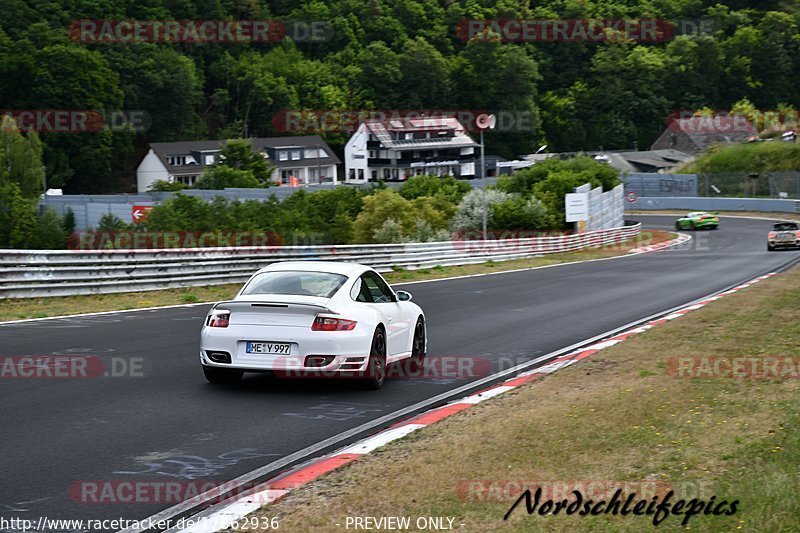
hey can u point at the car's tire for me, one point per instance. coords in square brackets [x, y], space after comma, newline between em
[770, 248]
[222, 376]
[417, 359]
[678, 226]
[376, 366]
[714, 227]
[692, 226]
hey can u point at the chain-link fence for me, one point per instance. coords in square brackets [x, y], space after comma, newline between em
[750, 185]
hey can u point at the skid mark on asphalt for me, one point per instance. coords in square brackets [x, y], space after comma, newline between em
[184, 466]
[338, 411]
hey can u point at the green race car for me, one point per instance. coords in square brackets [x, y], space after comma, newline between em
[698, 220]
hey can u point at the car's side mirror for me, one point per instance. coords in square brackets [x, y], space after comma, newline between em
[403, 296]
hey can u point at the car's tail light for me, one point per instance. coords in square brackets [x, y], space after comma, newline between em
[218, 319]
[771, 235]
[325, 323]
[797, 234]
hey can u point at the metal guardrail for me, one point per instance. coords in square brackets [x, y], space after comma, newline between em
[35, 273]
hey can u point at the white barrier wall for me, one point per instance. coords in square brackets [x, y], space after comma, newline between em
[606, 209]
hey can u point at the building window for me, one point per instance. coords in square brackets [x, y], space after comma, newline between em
[409, 136]
[186, 180]
[374, 175]
[177, 160]
[361, 173]
[387, 174]
[209, 160]
[283, 155]
[289, 173]
[373, 154]
[295, 155]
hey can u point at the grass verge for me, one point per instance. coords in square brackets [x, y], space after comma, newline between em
[21, 308]
[616, 416]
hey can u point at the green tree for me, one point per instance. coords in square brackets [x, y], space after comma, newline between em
[238, 154]
[21, 158]
[17, 217]
[71, 77]
[220, 176]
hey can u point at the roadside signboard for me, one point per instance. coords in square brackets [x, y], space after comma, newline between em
[139, 213]
[577, 206]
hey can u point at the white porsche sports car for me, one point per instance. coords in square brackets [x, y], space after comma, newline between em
[313, 318]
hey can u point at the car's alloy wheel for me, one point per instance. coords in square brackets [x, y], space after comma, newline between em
[376, 368]
[417, 359]
[222, 376]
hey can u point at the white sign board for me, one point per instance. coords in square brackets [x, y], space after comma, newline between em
[577, 206]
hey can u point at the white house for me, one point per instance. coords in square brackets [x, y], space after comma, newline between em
[296, 160]
[399, 149]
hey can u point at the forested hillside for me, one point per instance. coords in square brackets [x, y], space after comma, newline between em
[390, 54]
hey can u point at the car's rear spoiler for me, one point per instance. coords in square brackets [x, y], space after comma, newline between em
[244, 303]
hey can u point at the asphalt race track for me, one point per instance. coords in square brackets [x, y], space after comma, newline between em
[163, 422]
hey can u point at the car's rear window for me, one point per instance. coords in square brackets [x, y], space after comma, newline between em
[321, 284]
[786, 226]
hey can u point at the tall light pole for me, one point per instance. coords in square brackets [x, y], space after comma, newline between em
[483, 177]
[484, 122]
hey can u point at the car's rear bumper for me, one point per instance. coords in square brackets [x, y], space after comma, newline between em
[348, 350]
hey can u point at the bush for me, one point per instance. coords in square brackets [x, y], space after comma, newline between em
[378, 208]
[424, 232]
[597, 173]
[390, 232]
[518, 213]
[469, 215]
[772, 156]
[48, 234]
[111, 223]
[167, 186]
[181, 213]
[447, 188]
[385, 204]
[551, 192]
[221, 177]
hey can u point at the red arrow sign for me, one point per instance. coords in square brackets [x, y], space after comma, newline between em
[139, 213]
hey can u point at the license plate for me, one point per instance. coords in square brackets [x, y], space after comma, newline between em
[269, 348]
[785, 237]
